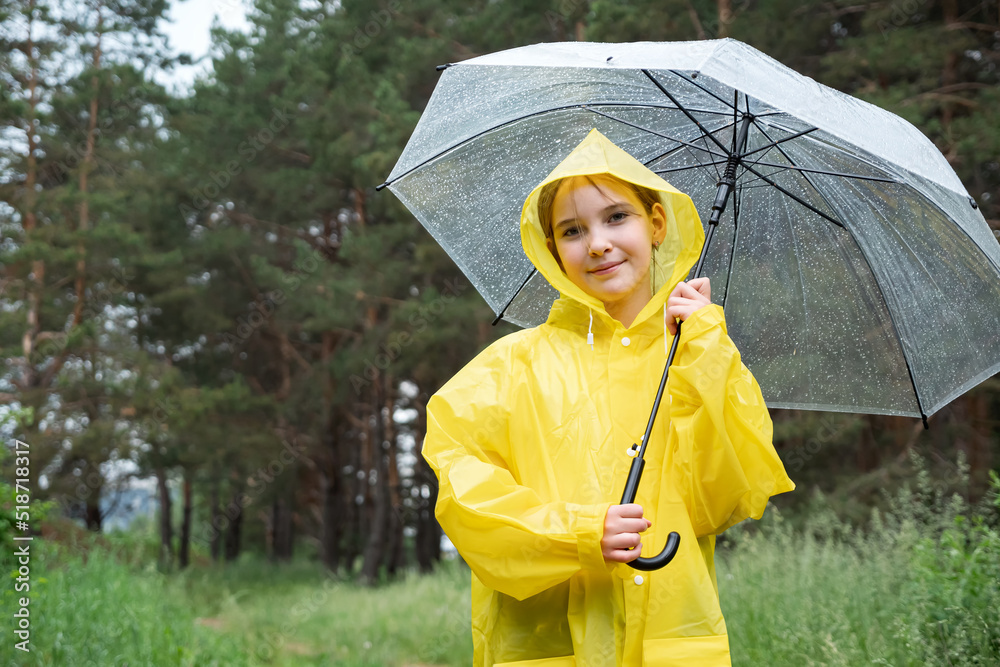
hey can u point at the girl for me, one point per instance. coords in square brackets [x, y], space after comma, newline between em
[530, 441]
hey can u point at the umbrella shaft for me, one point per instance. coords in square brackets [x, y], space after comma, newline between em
[728, 181]
[632, 484]
[726, 186]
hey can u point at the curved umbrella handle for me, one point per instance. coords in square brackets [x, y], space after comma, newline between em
[662, 558]
[673, 539]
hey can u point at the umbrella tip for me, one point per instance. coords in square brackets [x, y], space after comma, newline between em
[973, 202]
[379, 187]
[445, 66]
[924, 417]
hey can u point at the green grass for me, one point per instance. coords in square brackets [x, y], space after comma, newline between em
[299, 617]
[919, 586]
[93, 605]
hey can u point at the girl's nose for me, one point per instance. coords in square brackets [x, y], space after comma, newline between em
[598, 244]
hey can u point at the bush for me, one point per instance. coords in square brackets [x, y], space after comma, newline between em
[920, 585]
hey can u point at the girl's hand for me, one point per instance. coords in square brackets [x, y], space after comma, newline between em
[686, 298]
[622, 525]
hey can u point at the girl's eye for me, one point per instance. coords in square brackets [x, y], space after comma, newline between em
[615, 218]
[569, 231]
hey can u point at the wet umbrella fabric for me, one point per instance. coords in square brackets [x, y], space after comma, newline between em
[856, 272]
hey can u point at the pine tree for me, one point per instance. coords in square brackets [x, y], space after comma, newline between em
[68, 227]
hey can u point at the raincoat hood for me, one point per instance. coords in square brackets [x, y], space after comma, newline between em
[675, 257]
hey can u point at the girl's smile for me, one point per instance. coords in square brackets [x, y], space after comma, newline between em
[606, 268]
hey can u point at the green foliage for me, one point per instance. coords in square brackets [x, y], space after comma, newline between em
[12, 507]
[920, 586]
[88, 608]
[96, 603]
[14, 510]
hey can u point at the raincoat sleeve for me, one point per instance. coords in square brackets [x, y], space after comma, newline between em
[724, 462]
[514, 540]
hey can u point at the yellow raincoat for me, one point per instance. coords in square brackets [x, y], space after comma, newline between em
[530, 439]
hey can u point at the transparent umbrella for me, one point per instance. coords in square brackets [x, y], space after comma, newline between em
[856, 272]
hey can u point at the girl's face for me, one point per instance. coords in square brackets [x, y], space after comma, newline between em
[603, 237]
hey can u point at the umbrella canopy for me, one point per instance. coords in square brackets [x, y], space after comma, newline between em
[856, 272]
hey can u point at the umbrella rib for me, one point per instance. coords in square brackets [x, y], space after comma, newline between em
[827, 144]
[805, 176]
[789, 194]
[659, 134]
[892, 319]
[714, 163]
[737, 205]
[919, 192]
[513, 296]
[818, 171]
[895, 327]
[692, 166]
[736, 238]
[878, 284]
[685, 110]
[585, 106]
[802, 289]
[930, 275]
[639, 104]
[779, 141]
[755, 184]
[673, 150]
[701, 87]
[940, 210]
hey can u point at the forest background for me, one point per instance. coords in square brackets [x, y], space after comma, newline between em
[206, 292]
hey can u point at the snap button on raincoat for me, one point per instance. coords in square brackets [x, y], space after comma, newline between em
[530, 444]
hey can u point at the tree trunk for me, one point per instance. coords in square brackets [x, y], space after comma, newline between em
[331, 517]
[85, 167]
[215, 520]
[867, 456]
[166, 527]
[185, 546]
[970, 435]
[725, 17]
[395, 553]
[355, 486]
[83, 224]
[37, 275]
[378, 522]
[699, 30]
[281, 522]
[981, 452]
[232, 534]
[94, 511]
[359, 207]
[375, 542]
[950, 73]
[330, 471]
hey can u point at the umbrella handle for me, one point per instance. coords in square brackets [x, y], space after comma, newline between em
[673, 539]
[661, 559]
